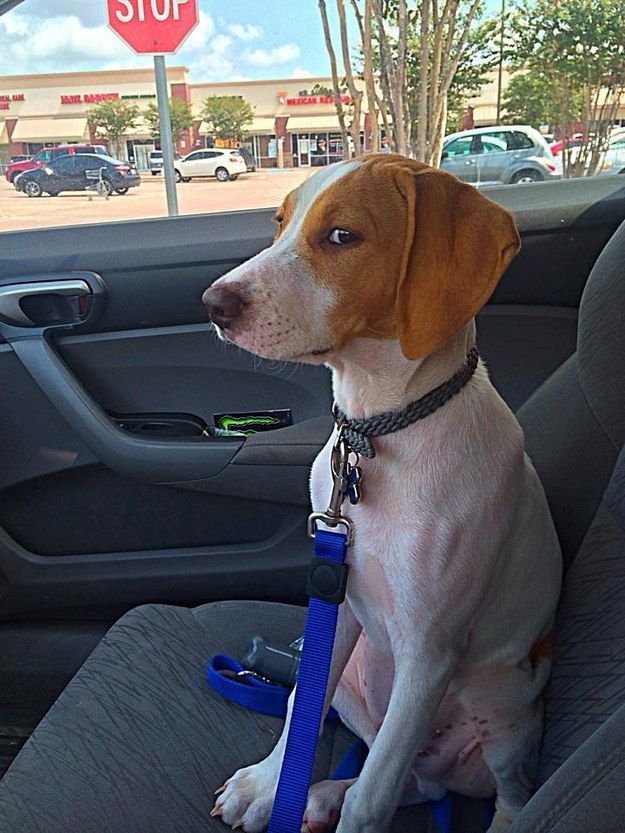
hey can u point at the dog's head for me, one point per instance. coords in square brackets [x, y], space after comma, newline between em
[381, 247]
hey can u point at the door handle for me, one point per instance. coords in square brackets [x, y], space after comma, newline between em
[470, 162]
[11, 296]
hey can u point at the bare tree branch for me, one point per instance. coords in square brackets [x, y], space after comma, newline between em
[354, 92]
[335, 78]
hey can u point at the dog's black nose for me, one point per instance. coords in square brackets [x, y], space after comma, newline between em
[223, 305]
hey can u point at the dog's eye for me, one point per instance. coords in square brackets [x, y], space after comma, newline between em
[341, 237]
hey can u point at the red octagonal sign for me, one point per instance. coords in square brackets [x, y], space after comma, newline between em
[152, 26]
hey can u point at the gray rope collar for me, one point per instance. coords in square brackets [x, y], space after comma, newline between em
[358, 432]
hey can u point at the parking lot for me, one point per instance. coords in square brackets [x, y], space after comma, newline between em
[254, 190]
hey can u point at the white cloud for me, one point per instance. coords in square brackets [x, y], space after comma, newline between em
[301, 72]
[273, 57]
[245, 32]
[67, 35]
[56, 42]
[220, 44]
[203, 32]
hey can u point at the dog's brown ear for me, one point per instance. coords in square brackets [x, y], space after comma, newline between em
[458, 244]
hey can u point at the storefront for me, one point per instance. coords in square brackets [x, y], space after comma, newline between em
[294, 122]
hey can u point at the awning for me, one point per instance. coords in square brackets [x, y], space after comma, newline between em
[262, 124]
[49, 130]
[4, 136]
[297, 124]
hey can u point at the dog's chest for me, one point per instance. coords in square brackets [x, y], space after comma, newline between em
[378, 558]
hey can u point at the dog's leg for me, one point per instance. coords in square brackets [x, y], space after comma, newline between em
[421, 679]
[247, 797]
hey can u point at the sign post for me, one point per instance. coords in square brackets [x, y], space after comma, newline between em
[167, 142]
[156, 27]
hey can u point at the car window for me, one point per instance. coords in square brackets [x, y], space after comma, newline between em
[250, 76]
[522, 140]
[65, 164]
[44, 156]
[459, 147]
[87, 163]
[490, 143]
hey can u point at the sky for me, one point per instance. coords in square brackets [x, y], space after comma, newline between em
[234, 40]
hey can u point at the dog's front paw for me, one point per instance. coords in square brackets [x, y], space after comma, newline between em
[358, 814]
[246, 799]
[323, 809]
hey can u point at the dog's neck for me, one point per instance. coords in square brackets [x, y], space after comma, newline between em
[370, 376]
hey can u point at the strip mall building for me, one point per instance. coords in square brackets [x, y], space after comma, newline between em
[291, 126]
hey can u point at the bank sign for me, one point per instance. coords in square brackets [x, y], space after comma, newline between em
[6, 99]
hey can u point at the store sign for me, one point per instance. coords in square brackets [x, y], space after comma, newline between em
[7, 98]
[311, 99]
[89, 98]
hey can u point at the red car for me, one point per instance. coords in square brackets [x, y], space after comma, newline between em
[573, 141]
[47, 155]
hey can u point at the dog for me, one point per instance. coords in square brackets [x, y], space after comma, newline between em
[377, 269]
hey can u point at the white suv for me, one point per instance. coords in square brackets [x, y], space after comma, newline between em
[222, 163]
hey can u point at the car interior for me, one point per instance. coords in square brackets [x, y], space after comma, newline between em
[116, 495]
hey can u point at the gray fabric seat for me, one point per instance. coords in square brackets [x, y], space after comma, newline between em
[137, 742]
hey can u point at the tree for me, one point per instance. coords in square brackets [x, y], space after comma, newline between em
[336, 90]
[580, 44]
[419, 59]
[530, 98]
[180, 116]
[112, 119]
[227, 116]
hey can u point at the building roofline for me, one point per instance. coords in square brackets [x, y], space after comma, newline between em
[257, 82]
[67, 75]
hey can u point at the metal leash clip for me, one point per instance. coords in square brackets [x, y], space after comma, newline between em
[345, 478]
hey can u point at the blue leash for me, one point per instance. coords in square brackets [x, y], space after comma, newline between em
[327, 580]
[327, 577]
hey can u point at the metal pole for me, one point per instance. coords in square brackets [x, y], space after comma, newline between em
[500, 74]
[167, 142]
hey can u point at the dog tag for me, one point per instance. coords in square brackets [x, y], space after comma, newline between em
[352, 486]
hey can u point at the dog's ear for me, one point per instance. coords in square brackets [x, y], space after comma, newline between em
[458, 244]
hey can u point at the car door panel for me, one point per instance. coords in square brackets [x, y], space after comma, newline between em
[80, 539]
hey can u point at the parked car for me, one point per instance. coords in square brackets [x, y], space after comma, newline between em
[614, 159]
[19, 158]
[499, 155]
[49, 155]
[573, 141]
[249, 159]
[156, 161]
[69, 173]
[222, 163]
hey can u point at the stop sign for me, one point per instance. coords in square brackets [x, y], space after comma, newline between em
[152, 26]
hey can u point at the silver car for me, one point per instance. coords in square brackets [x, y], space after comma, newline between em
[614, 160]
[499, 155]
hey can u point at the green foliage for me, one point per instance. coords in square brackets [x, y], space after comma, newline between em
[180, 116]
[530, 98]
[579, 46]
[321, 89]
[227, 116]
[112, 119]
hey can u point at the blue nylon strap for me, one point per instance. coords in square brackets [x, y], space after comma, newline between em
[310, 692]
[253, 694]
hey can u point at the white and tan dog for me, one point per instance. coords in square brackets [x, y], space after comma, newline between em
[378, 268]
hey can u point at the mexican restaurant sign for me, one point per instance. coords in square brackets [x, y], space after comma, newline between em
[311, 99]
[89, 98]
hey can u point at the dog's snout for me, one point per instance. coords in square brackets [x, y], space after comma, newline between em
[224, 306]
